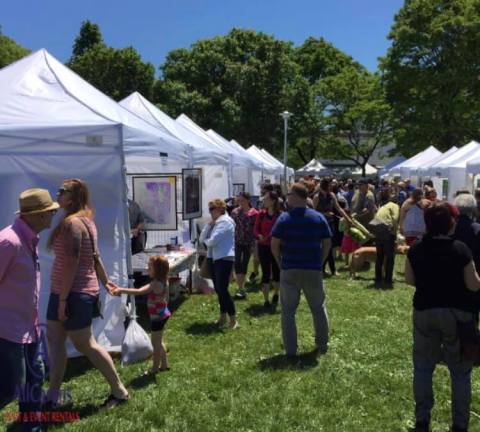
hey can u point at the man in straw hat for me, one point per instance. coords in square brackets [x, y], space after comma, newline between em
[21, 370]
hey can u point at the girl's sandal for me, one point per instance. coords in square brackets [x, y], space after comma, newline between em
[150, 373]
[112, 401]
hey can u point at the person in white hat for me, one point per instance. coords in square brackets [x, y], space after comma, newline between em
[21, 368]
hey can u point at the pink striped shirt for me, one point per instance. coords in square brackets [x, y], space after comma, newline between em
[85, 280]
[19, 283]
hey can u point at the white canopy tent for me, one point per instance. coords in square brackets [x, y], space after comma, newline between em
[427, 171]
[473, 170]
[249, 169]
[386, 169]
[313, 168]
[48, 132]
[213, 161]
[369, 171]
[406, 168]
[54, 125]
[240, 165]
[454, 169]
[440, 169]
[274, 171]
[290, 171]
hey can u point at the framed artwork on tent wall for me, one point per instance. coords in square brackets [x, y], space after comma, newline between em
[237, 188]
[157, 197]
[192, 193]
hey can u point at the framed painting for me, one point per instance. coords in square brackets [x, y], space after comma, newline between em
[237, 188]
[192, 193]
[157, 197]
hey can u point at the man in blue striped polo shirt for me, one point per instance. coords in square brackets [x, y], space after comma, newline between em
[300, 245]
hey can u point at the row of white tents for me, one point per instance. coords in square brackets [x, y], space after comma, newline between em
[450, 171]
[54, 125]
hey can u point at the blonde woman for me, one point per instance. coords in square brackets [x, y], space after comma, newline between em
[219, 237]
[75, 290]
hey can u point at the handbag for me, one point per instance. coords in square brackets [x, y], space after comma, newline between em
[97, 306]
[205, 269]
[469, 337]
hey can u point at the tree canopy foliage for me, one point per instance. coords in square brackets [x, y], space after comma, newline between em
[89, 36]
[116, 72]
[431, 73]
[10, 50]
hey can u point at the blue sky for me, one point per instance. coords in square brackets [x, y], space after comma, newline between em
[357, 27]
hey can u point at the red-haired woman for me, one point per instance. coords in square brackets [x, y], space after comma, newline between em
[75, 290]
[157, 304]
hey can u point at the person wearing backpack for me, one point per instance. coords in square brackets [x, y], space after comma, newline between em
[412, 223]
[385, 226]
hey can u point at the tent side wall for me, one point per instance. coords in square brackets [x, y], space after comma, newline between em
[45, 163]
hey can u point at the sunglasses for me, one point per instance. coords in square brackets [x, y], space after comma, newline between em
[62, 190]
[210, 209]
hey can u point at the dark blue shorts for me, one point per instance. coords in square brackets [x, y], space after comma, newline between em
[158, 325]
[79, 310]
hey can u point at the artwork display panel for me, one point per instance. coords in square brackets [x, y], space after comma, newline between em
[237, 188]
[192, 193]
[157, 197]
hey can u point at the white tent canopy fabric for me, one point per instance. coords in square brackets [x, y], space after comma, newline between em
[249, 170]
[213, 161]
[406, 168]
[273, 168]
[454, 168]
[240, 171]
[240, 154]
[290, 171]
[385, 170]
[369, 171]
[441, 169]
[54, 125]
[428, 168]
[314, 167]
[201, 148]
[273, 174]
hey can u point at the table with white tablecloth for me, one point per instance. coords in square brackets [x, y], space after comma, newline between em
[180, 261]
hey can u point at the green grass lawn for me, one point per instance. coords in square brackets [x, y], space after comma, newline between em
[240, 381]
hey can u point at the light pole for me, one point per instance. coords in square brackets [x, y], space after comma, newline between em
[286, 115]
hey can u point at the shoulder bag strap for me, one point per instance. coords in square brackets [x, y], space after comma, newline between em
[96, 255]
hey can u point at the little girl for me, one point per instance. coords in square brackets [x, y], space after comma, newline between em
[349, 245]
[157, 305]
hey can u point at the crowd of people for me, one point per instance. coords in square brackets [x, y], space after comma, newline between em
[292, 236]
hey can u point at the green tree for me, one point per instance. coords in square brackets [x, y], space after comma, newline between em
[235, 84]
[10, 50]
[357, 115]
[116, 72]
[88, 37]
[431, 73]
[320, 59]
[309, 132]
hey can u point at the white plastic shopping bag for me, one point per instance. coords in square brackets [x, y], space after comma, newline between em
[136, 345]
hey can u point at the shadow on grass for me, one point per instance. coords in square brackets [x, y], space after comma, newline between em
[76, 367]
[281, 361]
[252, 287]
[142, 381]
[256, 310]
[202, 329]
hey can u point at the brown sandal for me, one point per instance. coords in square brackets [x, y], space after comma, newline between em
[112, 401]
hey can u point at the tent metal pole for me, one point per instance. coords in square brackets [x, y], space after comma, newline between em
[125, 209]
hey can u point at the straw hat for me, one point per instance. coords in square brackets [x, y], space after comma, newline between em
[36, 200]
